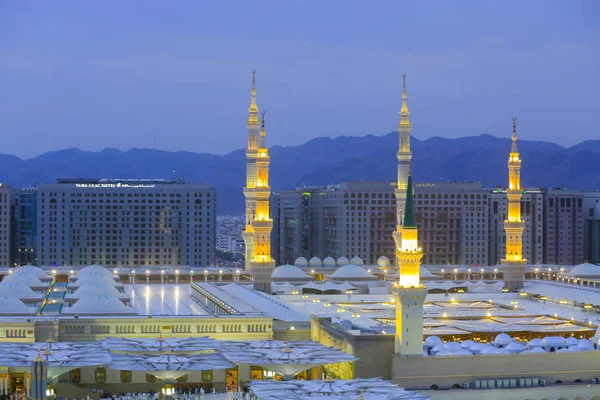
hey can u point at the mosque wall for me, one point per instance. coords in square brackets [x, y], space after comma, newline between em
[445, 372]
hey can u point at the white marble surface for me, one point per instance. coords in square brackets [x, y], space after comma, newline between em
[157, 299]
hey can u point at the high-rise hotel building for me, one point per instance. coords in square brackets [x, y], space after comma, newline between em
[125, 223]
[6, 201]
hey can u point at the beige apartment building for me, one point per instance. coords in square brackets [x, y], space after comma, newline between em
[125, 223]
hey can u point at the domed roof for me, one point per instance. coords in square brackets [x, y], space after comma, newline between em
[351, 271]
[94, 270]
[329, 262]
[433, 341]
[585, 270]
[342, 261]
[30, 269]
[383, 261]
[12, 305]
[288, 272]
[425, 273]
[18, 290]
[356, 261]
[553, 341]
[95, 278]
[105, 288]
[301, 262]
[98, 304]
[315, 262]
[24, 279]
[502, 339]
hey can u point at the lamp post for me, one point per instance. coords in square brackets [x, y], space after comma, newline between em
[205, 275]
[543, 298]
[495, 272]
[177, 276]
[191, 275]
[147, 277]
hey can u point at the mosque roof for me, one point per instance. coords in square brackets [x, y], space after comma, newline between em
[289, 272]
[301, 262]
[12, 305]
[94, 270]
[315, 262]
[351, 271]
[32, 270]
[19, 291]
[102, 287]
[95, 277]
[96, 304]
[329, 262]
[24, 278]
[383, 261]
[356, 261]
[587, 270]
[342, 261]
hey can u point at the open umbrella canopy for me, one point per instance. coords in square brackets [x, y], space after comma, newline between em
[369, 389]
[160, 344]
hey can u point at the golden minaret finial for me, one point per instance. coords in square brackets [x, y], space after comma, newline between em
[39, 356]
[253, 110]
[404, 108]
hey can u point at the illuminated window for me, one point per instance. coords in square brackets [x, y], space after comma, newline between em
[125, 376]
[100, 375]
[207, 376]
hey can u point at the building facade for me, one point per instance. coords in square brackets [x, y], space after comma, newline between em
[125, 223]
[591, 228]
[563, 228]
[25, 227]
[6, 202]
[453, 221]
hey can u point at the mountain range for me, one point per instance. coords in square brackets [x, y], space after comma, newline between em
[323, 161]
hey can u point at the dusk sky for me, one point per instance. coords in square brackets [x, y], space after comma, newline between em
[176, 75]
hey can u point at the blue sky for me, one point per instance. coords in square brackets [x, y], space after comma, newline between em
[176, 75]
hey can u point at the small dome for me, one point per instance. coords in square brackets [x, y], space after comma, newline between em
[329, 262]
[537, 342]
[12, 305]
[88, 288]
[31, 270]
[18, 290]
[552, 341]
[535, 350]
[288, 272]
[95, 278]
[301, 262]
[515, 347]
[94, 270]
[502, 339]
[383, 261]
[433, 341]
[572, 341]
[356, 261]
[467, 344]
[23, 278]
[425, 274]
[98, 304]
[351, 271]
[315, 262]
[342, 261]
[585, 344]
[586, 270]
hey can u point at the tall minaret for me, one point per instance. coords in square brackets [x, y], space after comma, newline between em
[404, 158]
[409, 294]
[257, 236]
[513, 266]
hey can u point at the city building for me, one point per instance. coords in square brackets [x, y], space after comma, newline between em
[591, 228]
[6, 202]
[257, 235]
[453, 221]
[25, 227]
[563, 227]
[125, 223]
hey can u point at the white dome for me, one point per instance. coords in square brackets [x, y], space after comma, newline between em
[94, 270]
[98, 304]
[515, 347]
[572, 341]
[356, 261]
[31, 270]
[315, 262]
[95, 278]
[589, 270]
[502, 339]
[90, 288]
[24, 279]
[18, 290]
[288, 272]
[351, 271]
[433, 341]
[329, 262]
[12, 305]
[550, 341]
[301, 262]
[383, 261]
[342, 261]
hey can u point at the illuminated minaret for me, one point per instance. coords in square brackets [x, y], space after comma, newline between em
[513, 265]
[404, 157]
[257, 236]
[409, 294]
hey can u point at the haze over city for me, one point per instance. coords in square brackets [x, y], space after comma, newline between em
[98, 74]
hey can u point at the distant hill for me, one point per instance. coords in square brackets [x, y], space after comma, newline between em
[324, 160]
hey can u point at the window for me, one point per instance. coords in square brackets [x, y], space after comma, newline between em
[75, 376]
[125, 376]
[100, 375]
[207, 376]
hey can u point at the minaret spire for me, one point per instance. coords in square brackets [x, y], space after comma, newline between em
[257, 235]
[404, 157]
[513, 265]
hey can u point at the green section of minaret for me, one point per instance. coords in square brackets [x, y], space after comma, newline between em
[409, 208]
